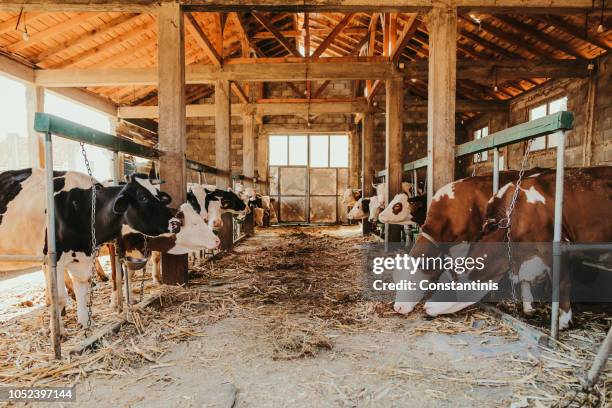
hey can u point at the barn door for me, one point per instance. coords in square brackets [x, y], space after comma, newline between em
[308, 175]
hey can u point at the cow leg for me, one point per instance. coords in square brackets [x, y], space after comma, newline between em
[156, 271]
[79, 268]
[69, 285]
[565, 306]
[527, 297]
[100, 271]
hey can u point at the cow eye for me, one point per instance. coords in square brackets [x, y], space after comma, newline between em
[143, 198]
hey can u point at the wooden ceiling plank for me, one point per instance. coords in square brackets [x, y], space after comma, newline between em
[196, 32]
[410, 28]
[571, 29]
[488, 44]
[538, 35]
[268, 25]
[9, 25]
[332, 36]
[245, 45]
[97, 33]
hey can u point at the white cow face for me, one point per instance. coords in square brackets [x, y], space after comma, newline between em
[214, 214]
[195, 234]
[350, 196]
[375, 207]
[398, 211]
[360, 210]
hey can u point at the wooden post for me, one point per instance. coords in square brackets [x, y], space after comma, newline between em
[248, 162]
[35, 99]
[262, 161]
[354, 160]
[171, 97]
[393, 148]
[442, 26]
[367, 162]
[223, 146]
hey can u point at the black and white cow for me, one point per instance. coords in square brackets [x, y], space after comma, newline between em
[137, 204]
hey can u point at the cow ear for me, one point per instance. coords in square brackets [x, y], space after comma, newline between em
[121, 204]
[164, 198]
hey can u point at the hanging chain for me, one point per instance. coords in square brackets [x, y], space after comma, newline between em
[94, 245]
[476, 161]
[144, 270]
[507, 223]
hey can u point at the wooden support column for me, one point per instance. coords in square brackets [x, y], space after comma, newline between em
[262, 162]
[35, 100]
[354, 160]
[367, 161]
[442, 26]
[248, 162]
[223, 148]
[171, 96]
[393, 147]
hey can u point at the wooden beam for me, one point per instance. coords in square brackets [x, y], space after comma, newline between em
[367, 160]
[332, 36]
[239, 92]
[578, 32]
[172, 140]
[320, 89]
[10, 24]
[354, 160]
[410, 27]
[202, 40]
[268, 25]
[98, 33]
[343, 69]
[223, 148]
[538, 35]
[394, 142]
[491, 46]
[16, 70]
[245, 45]
[248, 145]
[461, 105]
[306, 35]
[442, 28]
[35, 102]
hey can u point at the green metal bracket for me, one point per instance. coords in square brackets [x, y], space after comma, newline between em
[46, 123]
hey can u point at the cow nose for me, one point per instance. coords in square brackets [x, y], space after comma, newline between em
[217, 224]
[175, 226]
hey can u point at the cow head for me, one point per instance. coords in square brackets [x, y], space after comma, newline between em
[350, 196]
[230, 202]
[360, 210]
[144, 207]
[214, 214]
[405, 210]
[376, 205]
[194, 234]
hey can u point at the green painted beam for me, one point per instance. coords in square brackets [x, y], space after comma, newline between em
[200, 167]
[46, 123]
[525, 131]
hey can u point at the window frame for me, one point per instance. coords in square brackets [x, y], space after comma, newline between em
[308, 136]
[547, 139]
[484, 156]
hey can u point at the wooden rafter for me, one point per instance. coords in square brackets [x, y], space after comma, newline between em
[320, 89]
[239, 92]
[268, 25]
[491, 46]
[577, 32]
[9, 25]
[245, 45]
[95, 34]
[202, 40]
[538, 35]
[410, 27]
[332, 36]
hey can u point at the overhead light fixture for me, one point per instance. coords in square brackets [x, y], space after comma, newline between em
[24, 33]
[375, 103]
[401, 65]
[600, 29]
[413, 80]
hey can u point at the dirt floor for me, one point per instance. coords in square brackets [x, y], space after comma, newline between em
[281, 321]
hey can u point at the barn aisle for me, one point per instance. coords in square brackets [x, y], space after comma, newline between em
[281, 322]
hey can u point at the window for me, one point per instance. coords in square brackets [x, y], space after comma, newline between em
[478, 134]
[67, 153]
[13, 125]
[298, 150]
[278, 151]
[338, 151]
[319, 151]
[546, 142]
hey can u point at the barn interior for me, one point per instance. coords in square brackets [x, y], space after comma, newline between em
[301, 101]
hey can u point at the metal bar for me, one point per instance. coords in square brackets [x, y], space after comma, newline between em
[557, 253]
[495, 170]
[46, 123]
[417, 164]
[52, 250]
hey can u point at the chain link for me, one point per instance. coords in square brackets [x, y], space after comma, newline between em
[507, 222]
[94, 246]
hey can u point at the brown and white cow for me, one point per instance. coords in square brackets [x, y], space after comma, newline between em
[455, 215]
[532, 221]
[137, 204]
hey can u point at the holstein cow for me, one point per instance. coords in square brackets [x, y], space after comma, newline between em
[455, 215]
[350, 196]
[137, 204]
[532, 221]
[371, 207]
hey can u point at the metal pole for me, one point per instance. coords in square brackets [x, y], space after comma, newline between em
[52, 250]
[115, 253]
[495, 170]
[554, 323]
[415, 183]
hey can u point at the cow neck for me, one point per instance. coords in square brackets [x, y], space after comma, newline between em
[108, 224]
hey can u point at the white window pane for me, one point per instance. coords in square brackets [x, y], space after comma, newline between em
[553, 140]
[485, 131]
[484, 156]
[278, 150]
[557, 105]
[298, 149]
[319, 151]
[537, 113]
[13, 125]
[339, 151]
[538, 143]
[477, 134]
[67, 153]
